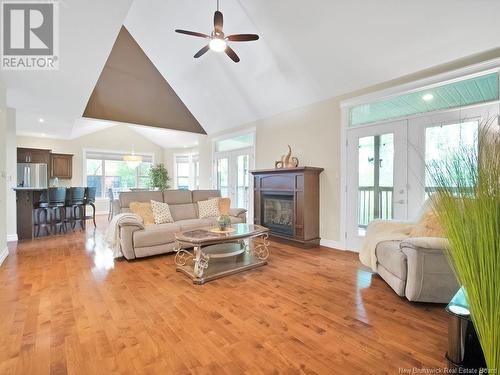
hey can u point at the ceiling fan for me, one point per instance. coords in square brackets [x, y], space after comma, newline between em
[218, 41]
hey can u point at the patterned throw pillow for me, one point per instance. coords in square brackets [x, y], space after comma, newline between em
[161, 212]
[143, 209]
[209, 208]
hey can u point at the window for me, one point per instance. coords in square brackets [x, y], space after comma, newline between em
[109, 171]
[443, 142]
[235, 143]
[187, 171]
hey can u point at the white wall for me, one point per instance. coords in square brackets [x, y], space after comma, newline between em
[3, 174]
[11, 170]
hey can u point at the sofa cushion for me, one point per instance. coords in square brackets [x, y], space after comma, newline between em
[193, 223]
[161, 212]
[177, 196]
[203, 195]
[392, 258]
[156, 234]
[139, 196]
[183, 211]
[208, 208]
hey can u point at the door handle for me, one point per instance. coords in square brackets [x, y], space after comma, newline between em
[401, 201]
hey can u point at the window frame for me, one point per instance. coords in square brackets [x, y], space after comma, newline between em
[103, 176]
[194, 169]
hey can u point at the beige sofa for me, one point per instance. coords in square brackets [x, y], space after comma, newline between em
[138, 240]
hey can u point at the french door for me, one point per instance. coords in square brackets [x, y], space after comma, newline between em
[387, 174]
[376, 177]
[233, 179]
[433, 139]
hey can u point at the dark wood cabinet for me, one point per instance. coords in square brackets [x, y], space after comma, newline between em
[295, 192]
[33, 155]
[61, 166]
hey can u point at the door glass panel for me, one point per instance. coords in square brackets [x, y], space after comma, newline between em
[243, 183]
[223, 176]
[442, 142]
[376, 179]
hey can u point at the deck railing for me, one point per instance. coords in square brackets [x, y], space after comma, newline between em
[374, 203]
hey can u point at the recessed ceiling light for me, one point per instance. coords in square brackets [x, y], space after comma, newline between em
[43, 134]
[428, 97]
[41, 120]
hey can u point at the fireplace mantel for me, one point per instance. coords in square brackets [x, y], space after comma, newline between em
[302, 183]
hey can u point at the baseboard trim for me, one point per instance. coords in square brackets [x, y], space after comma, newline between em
[337, 245]
[3, 255]
[12, 238]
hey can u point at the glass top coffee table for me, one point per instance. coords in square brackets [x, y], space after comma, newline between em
[217, 254]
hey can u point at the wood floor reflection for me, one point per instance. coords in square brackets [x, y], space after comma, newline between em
[67, 307]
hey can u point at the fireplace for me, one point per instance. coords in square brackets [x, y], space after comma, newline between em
[286, 200]
[277, 213]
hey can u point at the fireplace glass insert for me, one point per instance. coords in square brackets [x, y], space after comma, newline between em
[277, 213]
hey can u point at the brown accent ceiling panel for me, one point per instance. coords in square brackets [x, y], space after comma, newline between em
[131, 89]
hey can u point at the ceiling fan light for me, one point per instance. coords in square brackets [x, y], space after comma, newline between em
[218, 45]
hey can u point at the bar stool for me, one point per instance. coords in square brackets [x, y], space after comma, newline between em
[90, 201]
[52, 207]
[37, 222]
[75, 203]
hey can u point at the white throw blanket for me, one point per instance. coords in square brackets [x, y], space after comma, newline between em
[378, 231]
[113, 232]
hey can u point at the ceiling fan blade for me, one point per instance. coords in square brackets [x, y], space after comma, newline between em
[192, 33]
[232, 54]
[202, 51]
[242, 37]
[218, 21]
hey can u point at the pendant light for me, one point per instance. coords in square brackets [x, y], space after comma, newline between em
[133, 160]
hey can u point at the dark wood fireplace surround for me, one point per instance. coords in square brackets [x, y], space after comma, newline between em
[303, 184]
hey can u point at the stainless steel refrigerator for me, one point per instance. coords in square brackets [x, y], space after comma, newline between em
[31, 175]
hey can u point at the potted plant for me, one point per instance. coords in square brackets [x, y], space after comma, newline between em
[468, 205]
[158, 177]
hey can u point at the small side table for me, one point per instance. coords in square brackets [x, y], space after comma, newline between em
[464, 349]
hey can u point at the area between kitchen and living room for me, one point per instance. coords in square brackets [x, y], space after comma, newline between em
[223, 161]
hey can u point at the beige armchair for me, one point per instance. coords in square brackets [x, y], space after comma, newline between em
[414, 267]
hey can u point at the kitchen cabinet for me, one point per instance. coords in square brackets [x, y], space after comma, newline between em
[33, 155]
[61, 166]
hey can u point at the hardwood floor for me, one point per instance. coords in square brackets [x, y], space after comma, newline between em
[67, 307]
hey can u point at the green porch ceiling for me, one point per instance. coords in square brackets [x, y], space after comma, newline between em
[476, 90]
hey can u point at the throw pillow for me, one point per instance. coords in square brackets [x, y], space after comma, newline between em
[224, 206]
[143, 209]
[161, 212]
[428, 226]
[208, 208]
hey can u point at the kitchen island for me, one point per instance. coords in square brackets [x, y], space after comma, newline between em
[26, 198]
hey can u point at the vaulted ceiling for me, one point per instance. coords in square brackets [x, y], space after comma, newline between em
[308, 51]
